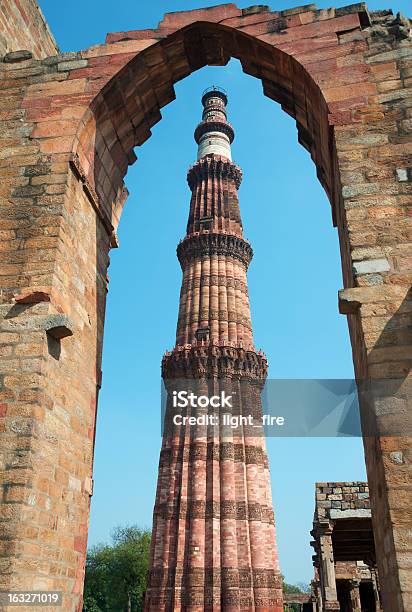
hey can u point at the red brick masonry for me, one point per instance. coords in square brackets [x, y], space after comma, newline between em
[214, 543]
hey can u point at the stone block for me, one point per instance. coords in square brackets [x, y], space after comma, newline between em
[352, 513]
[348, 304]
[57, 325]
[52, 60]
[72, 65]
[397, 457]
[298, 9]
[88, 486]
[255, 9]
[17, 56]
[370, 266]
[402, 174]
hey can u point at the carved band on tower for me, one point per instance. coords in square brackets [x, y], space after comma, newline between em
[213, 543]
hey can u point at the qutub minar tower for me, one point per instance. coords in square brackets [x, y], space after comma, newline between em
[214, 545]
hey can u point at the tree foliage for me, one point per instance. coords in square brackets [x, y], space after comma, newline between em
[300, 587]
[291, 588]
[116, 574]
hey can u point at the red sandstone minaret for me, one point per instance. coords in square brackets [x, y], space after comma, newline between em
[213, 545]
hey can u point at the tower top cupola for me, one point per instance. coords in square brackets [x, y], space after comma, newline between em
[214, 134]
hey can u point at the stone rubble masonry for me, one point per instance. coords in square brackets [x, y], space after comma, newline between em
[340, 496]
[68, 126]
[350, 558]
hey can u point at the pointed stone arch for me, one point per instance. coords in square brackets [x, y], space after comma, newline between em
[121, 109]
[72, 121]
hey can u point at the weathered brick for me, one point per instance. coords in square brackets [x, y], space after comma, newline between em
[57, 128]
[71, 65]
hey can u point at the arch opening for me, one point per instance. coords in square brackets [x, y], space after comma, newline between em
[123, 113]
[174, 299]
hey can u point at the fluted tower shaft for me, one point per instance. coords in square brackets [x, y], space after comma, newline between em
[214, 545]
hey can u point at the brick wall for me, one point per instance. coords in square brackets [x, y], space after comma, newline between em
[22, 26]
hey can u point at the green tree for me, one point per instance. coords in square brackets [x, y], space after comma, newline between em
[116, 574]
[304, 587]
[290, 588]
[301, 587]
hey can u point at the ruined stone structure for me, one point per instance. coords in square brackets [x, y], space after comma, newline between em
[345, 558]
[68, 126]
[299, 602]
[213, 542]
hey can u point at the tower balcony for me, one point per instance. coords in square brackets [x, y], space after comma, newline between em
[201, 244]
[214, 125]
[211, 166]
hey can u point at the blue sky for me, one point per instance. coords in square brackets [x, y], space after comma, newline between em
[293, 281]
